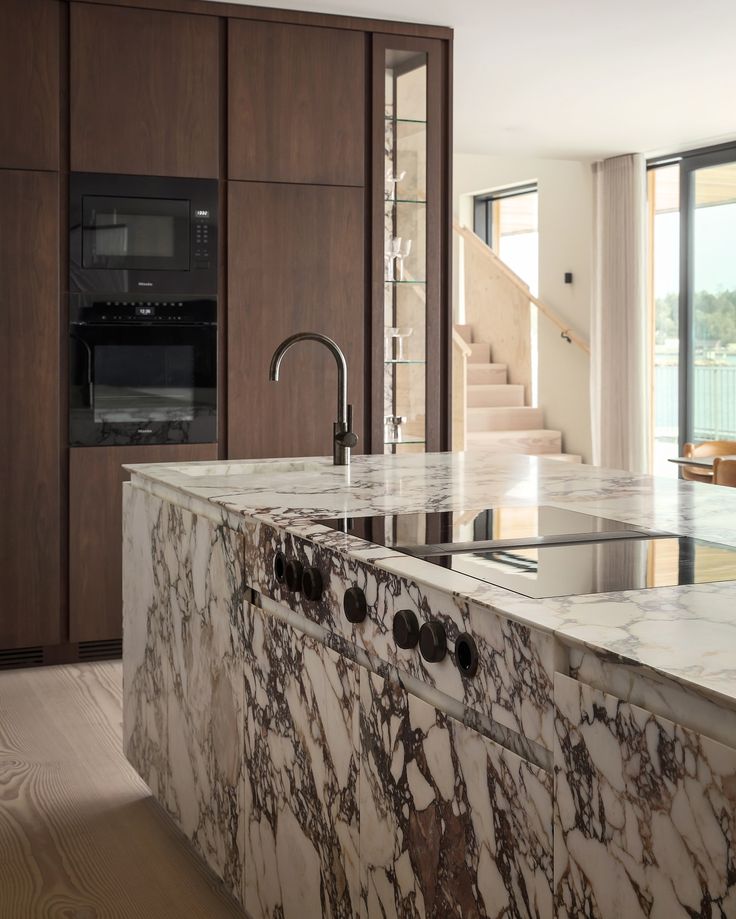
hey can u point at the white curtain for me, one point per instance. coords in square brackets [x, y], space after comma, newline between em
[619, 380]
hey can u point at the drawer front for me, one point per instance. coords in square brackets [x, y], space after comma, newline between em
[645, 812]
[451, 824]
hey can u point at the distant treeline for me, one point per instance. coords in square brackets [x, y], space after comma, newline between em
[714, 318]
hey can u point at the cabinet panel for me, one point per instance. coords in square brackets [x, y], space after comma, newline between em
[297, 104]
[645, 812]
[95, 479]
[451, 824]
[29, 84]
[296, 264]
[144, 91]
[301, 775]
[30, 452]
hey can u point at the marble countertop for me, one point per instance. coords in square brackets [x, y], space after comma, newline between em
[683, 633]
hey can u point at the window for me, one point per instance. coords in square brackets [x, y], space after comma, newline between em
[507, 221]
[692, 297]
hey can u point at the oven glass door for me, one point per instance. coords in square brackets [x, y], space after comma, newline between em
[143, 384]
[135, 233]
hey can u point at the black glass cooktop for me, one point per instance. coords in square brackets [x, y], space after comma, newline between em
[415, 533]
[546, 551]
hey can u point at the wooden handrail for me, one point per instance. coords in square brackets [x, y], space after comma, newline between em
[567, 332]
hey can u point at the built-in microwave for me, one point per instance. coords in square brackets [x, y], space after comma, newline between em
[142, 235]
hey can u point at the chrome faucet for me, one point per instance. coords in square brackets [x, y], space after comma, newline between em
[343, 438]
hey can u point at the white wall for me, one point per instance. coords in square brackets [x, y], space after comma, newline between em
[565, 244]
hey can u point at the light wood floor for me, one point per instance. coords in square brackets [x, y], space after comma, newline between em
[80, 835]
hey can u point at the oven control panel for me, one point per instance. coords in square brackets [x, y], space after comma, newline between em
[139, 311]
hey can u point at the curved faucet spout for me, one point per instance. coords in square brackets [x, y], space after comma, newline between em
[335, 350]
[343, 438]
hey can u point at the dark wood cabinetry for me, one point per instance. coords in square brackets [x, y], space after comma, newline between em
[296, 263]
[145, 91]
[30, 486]
[29, 84]
[95, 531]
[297, 103]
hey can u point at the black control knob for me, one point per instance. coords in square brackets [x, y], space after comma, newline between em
[354, 604]
[466, 654]
[406, 629]
[279, 567]
[312, 584]
[433, 642]
[293, 575]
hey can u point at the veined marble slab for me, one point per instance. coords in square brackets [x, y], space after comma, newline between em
[686, 634]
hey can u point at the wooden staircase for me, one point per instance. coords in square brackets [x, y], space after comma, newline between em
[496, 417]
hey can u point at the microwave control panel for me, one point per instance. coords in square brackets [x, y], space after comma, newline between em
[201, 252]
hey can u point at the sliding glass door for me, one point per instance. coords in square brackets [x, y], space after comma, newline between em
[692, 293]
[708, 298]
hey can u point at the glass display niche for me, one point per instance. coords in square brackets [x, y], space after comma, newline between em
[405, 252]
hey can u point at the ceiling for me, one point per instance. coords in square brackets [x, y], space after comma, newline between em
[579, 79]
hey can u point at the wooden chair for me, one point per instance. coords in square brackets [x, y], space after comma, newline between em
[707, 448]
[724, 471]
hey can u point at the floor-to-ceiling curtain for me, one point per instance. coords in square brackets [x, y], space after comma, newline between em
[619, 387]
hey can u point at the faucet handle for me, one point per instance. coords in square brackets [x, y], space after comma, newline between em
[346, 438]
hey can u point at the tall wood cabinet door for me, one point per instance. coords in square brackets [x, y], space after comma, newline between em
[144, 91]
[30, 452]
[95, 531]
[296, 264]
[29, 84]
[297, 103]
[451, 823]
[300, 798]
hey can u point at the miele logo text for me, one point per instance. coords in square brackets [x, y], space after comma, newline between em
[145, 283]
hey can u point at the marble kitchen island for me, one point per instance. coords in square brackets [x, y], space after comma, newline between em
[583, 765]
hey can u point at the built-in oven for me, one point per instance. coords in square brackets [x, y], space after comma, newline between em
[142, 234]
[143, 371]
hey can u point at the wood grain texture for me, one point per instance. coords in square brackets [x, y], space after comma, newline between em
[29, 84]
[297, 104]
[30, 452]
[80, 834]
[95, 531]
[296, 264]
[144, 92]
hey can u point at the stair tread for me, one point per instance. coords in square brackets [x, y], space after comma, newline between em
[532, 442]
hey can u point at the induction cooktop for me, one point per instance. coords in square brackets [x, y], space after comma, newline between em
[544, 551]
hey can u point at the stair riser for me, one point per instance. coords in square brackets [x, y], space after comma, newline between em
[505, 419]
[534, 443]
[486, 374]
[480, 353]
[495, 396]
[465, 332]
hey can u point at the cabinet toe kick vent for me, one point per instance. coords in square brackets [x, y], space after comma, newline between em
[15, 658]
[100, 650]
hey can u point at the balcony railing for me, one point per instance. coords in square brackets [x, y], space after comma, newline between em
[714, 408]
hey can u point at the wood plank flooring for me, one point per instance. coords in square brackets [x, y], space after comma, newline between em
[80, 835]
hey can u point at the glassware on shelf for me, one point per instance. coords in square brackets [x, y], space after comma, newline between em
[393, 251]
[392, 432]
[400, 334]
[389, 333]
[404, 250]
[392, 180]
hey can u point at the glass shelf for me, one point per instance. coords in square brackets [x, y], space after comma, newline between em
[422, 283]
[405, 120]
[409, 361]
[406, 440]
[404, 201]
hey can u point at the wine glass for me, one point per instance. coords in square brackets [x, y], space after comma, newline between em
[389, 333]
[404, 250]
[400, 334]
[392, 253]
[392, 180]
